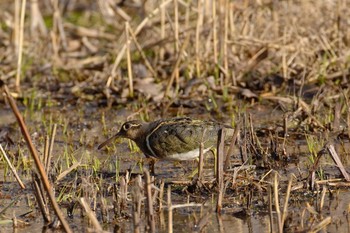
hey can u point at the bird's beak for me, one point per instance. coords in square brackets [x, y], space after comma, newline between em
[109, 140]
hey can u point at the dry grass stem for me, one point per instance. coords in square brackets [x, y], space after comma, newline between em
[41, 198]
[170, 211]
[50, 148]
[338, 162]
[277, 206]
[318, 227]
[128, 59]
[12, 168]
[286, 201]
[220, 169]
[91, 215]
[149, 208]
[20, 45]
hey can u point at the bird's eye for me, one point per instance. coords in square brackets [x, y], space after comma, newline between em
[126, 126]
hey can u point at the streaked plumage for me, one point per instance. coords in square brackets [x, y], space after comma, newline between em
[175, 139]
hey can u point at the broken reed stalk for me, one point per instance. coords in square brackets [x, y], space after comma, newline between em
[128, 60]
[286, 201]
[319, 226]
[323, 195]
[170, 211]
[123, 189]
[137, 202]
[277, 205]
[67, 171]
[12, 168]
[338, 162]
[20, 45]
[201, 161]
[37, 161]
[149, 208]
[49, 155]
[220, 169]
[91, 215]
[269, 192]
[40, 198]
[232, 145]
[160, 204]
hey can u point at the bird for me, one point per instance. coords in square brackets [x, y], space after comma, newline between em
[179, 138]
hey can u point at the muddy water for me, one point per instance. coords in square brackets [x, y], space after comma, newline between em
[80, 130]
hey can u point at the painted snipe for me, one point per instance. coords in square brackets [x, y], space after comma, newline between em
[171, 139]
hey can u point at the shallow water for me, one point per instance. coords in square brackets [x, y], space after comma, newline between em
[80, 131]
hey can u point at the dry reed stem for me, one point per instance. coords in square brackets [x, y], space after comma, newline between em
[323, 195]
[319, 226]
[58, 25]
[225, 52]
[201, 161]
[16, 25]
[67, 171]
[338, 162]
[46, 151]
[269, 192]
[277, 206]
[198, 31]
[143, 55]
[37, 21]
[136, 31]
[12, 168]
[128, 60]
[170, 211]
[136, 206]
[215, 37]
[91, 215]
[162, 31]
[38, 163]
[176, 25]
[49, 155]
[20, 45]
[149, 208]
[176, 65]
[220, 169]
[39, 195]
[286, 201]
[232, 146]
